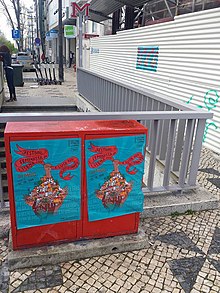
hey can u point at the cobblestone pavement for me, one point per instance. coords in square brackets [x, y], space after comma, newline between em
[209, 172]
[184, 256]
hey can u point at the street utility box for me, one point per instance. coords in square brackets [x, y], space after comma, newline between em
[18, 74]
[72, 180]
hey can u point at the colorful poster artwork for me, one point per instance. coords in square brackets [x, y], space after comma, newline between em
[114, 172]
[147, 58]
[46, 180]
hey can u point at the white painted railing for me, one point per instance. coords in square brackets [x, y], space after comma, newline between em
[175, 129]
[175, 133]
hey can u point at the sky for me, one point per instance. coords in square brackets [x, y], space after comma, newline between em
[4, 27]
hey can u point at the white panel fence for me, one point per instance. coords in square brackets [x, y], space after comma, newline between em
[179, 59]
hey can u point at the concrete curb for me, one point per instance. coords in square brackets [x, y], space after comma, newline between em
[167, 203]
[50, 255]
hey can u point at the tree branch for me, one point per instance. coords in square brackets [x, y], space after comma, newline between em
[7, 13]
[8, 16]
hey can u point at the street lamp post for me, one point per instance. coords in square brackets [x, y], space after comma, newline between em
[80, 24]
[80, 11]
[37, 27]
[61, 75]
[32, 34]
[31, 30]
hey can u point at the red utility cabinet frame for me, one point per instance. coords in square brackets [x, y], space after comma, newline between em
[67, 130]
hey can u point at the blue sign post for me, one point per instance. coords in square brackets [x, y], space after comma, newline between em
[48, 36]
[16, 34]
[54, 34]
[37, 42]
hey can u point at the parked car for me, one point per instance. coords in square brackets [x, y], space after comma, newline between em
[26, 60]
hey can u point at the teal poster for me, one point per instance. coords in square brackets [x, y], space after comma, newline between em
[46, 180]
[114, 172]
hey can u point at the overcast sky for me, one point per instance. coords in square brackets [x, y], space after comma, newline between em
[4, 27]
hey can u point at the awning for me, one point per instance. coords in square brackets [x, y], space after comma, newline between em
[101, 9]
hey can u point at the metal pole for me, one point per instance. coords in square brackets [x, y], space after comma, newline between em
[144, 14]
[37, 27]
[61, 77]
[80, 39]
[193, 5]
[32, 35]
[18, 13]
[168, 8]
[177, 4]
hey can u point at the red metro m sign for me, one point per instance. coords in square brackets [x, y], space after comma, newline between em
[77, 9]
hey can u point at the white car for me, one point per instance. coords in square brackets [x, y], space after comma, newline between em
[26, 60]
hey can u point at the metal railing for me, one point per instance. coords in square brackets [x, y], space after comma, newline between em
[175, 132]
[175, 128]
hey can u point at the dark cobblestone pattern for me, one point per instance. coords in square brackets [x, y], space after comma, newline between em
[4, 232]
[180, 259]
[184, 257]
[208, 175]
[215, 244]
[215, 181]
[210, 171]
[40, 278]
[4, 225]
[4, 273]
[3, 249]
[186, 271]
[179, 239]
[4, 277]
[215, 263]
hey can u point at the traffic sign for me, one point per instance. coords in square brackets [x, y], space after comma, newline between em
[53, 33]
[80, 9]
[70, 31]
[48, 36]
[37, 42]
[16, 34]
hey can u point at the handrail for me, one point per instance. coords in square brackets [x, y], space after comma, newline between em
[175, 129]
[135, 115]
[175, 133]
[151, 94]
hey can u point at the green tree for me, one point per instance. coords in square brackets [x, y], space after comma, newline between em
[15, 16]
[4, 41]
[16, 6]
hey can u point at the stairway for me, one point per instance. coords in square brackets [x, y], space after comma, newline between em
[9, 108]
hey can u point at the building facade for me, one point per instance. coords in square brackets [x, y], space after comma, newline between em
[51, 28]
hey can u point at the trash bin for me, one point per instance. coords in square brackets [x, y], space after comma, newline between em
[18, 74]
[92, 189]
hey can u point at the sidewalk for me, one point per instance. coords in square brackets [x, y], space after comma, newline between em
[184, 253]
[32, 94]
